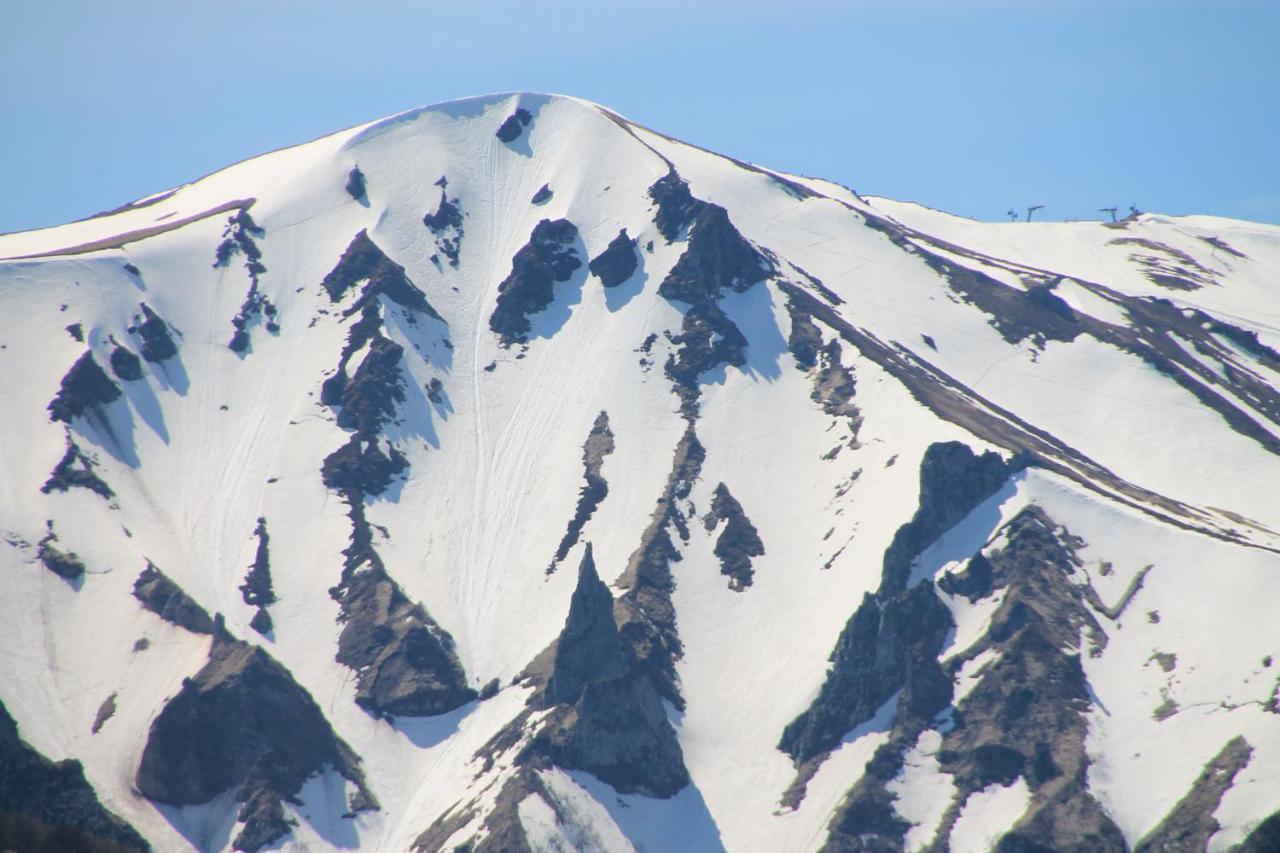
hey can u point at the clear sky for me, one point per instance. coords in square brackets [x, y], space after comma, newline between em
[971, 106]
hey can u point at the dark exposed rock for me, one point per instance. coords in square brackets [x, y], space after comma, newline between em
[953, 482]
[1265, 837]
[677, 207]
[617, 731]
[75, 470]
[717, 258]
[157, 343]
[868, 665]
[738, 541]
[974, 582]
[369, 398]
[355, 183]
[1026, 716]
[645, 614]
[164, 598]
[707, 339]
[617, 262]
[105, 712]
[834, 387]
[446, 224]
[595, 488]
[256, 589]
[589, 648]
[65, 564]
[363, 261]
[542, 196]
[405, 663]
[550, 256]
[1190, 824]
[76, 331]
[85, 386]
[237, 238]
[514, 125]
[125, 365]
[131, 269]
[804, 340]
[242, 723]
[261, 621]
[50, 807]
[896, 626]
[254, 306]
[361, 465]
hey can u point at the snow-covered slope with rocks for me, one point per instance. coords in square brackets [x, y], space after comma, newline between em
[505, 475]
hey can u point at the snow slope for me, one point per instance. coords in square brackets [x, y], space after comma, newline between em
[1134, 368]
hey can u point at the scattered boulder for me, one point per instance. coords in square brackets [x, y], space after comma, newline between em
[446, 224]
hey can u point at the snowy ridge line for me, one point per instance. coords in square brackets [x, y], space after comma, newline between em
[991, 425]
[118, 241]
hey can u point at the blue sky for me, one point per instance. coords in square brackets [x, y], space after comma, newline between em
[971, 106]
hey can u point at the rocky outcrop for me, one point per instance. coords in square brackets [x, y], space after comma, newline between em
[363, 261]
[618, 732]
[618, 261]
[85, 387]
[49, 806]
[65, 564]
[550, 256]
[242, 723]
[157, 344]
[238, 239]
[953, 482]
[446, 225]
[125, 365]
[405, 663]
[76, 470]
[511, 128]
[362, 465]
[607, 717]
[166, 599]
[369, 398]
[717, 258]
[1190, 824]
[1025, 717]
[645, 615]
[256, 589]
[543, 195]
[738, 541]
[897, 633]
[677, 207]
[869, 664]
[589, 648]
[595, 488]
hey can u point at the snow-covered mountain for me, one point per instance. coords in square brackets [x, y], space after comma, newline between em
[505, 475]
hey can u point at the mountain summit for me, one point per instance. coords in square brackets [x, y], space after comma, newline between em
[505, 475]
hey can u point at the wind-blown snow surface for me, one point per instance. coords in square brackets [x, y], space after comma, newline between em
[1134, 368]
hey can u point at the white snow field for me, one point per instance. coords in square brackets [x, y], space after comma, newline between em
[1127, 375]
